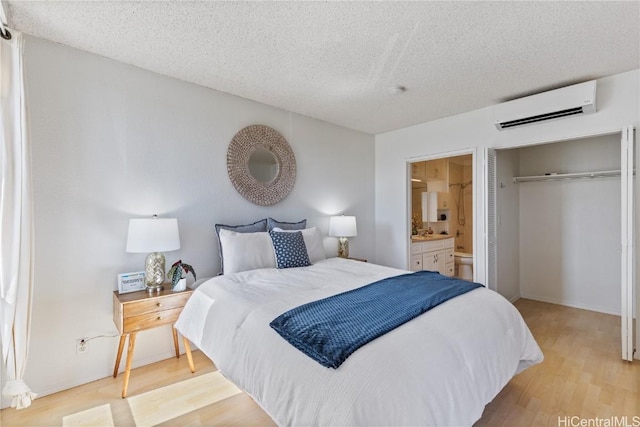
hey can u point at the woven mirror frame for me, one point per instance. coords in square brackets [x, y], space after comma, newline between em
[245, 143]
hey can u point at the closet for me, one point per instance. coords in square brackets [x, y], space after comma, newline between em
[558, 224]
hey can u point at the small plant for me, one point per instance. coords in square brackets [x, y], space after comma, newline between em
[178, 271]
[416, 223]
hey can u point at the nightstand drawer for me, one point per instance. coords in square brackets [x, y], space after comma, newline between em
[151, 320]
[156, 304]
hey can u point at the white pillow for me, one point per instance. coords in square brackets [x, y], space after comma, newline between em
[312, 240]
[246, 251]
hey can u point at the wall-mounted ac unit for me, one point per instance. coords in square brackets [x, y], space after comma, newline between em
[564, 102]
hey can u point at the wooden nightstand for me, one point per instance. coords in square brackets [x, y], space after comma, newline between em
[137, 311]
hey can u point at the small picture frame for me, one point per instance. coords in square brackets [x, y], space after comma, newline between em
[131, 282]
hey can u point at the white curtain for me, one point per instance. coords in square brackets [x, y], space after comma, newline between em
[16, 224]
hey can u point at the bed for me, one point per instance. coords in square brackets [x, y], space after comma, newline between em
[440, 368]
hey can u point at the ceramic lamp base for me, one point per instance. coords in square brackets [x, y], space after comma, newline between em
[343, 247]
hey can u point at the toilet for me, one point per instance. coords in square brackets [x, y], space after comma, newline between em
[464, 265]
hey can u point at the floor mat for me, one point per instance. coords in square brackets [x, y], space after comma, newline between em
[172, 401]
[98, 416]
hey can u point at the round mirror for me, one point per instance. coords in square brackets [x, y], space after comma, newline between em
[263, 165]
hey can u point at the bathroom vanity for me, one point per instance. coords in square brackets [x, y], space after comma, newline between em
[434, 253]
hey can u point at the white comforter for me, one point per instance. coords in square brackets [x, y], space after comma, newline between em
[441, 368]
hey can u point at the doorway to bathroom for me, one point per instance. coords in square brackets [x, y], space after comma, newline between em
[442, 215]
[563, 225]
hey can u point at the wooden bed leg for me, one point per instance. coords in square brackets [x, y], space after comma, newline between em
[187, 349]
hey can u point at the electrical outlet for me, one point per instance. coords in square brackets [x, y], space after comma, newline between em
[82, 346]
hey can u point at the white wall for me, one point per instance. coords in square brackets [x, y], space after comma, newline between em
[113, 142]
[508, 227]
[618, 99]
[618, 105]
[570, 230]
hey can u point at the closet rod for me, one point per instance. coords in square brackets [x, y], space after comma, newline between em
[566, 176]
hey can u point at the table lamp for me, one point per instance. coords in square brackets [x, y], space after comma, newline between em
[342, 227]
[154, 236]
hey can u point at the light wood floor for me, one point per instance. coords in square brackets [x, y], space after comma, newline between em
[582, 375]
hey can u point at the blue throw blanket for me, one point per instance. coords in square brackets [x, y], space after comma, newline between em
[331, 329]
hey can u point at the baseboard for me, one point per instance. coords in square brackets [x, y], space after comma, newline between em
[568, 304]
[514, 299]
[61, 386]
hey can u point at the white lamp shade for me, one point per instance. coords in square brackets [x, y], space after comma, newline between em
[153, 235]
[342, 226]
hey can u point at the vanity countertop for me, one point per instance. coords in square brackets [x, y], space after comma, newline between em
[430, 237]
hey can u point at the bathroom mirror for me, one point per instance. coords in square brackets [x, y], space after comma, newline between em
[261, 165]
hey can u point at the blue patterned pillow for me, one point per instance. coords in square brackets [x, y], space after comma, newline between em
[290, 249]
[273, 223]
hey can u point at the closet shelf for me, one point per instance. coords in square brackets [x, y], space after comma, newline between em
[566, 176]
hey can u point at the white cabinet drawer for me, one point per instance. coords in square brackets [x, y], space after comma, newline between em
[449, 270]
[416, 262]
[448, 243]
[433, 246]
[416, 248]
[449, 256]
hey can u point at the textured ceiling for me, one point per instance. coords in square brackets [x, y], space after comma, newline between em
[336, 61]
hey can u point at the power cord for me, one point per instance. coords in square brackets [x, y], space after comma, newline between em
[86, 340]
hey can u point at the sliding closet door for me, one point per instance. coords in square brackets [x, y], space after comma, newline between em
[491, 222]
[627, 240]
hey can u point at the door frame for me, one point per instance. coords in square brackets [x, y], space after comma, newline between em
[473, 151]
[628, 257]
[627, 235]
